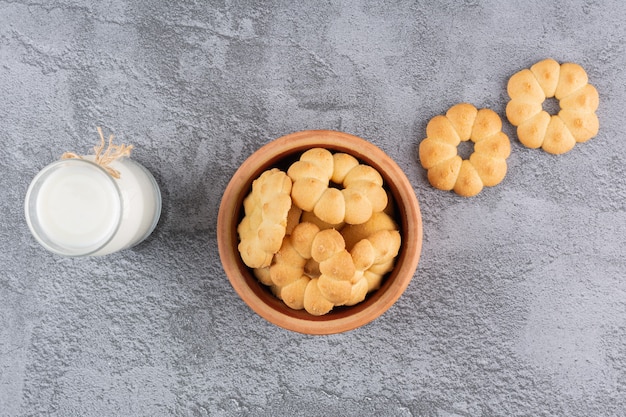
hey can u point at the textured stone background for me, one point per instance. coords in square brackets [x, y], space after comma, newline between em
[518, 306]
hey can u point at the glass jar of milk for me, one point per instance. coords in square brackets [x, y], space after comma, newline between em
[74, 207]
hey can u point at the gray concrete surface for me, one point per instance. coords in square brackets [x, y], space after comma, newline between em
[518, 306]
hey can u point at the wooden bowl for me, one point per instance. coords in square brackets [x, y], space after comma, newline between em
[280, 153]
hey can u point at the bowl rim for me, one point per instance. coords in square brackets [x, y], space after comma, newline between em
[408, 215]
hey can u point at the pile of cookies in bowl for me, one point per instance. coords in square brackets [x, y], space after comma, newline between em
[319, 232]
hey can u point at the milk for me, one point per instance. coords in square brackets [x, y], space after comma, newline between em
[76, 208]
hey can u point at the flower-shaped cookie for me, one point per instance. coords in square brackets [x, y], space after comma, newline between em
[486, 166]
[262, 229]
[576, 120]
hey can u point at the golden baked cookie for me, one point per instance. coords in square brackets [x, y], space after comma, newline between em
[263, 227]
[576, 120]
[373, 257]
[486, 166]
[332, 285]
[362, 193]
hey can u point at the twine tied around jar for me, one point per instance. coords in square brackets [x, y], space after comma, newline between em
[104, 157]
